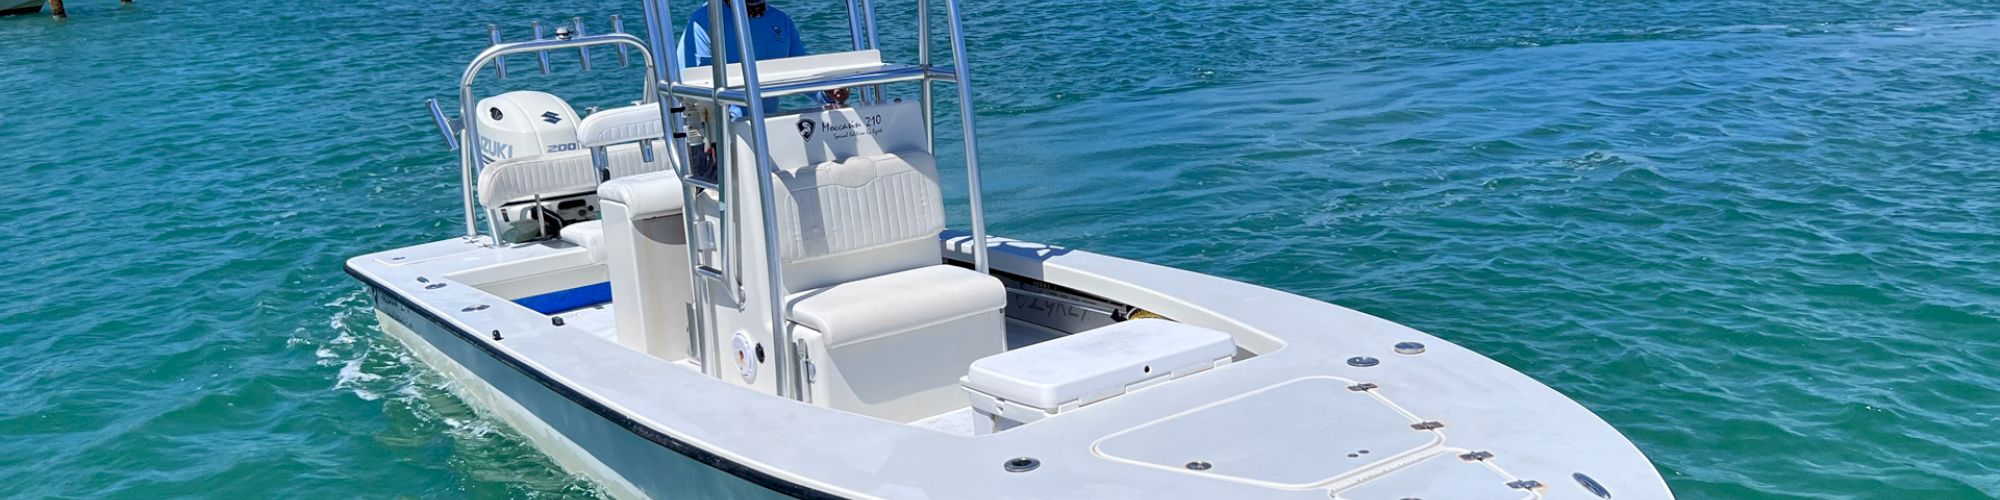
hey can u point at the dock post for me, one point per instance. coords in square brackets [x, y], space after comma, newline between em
[56, 9]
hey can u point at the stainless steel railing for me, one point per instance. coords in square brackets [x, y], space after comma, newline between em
[971, 142]
[790, 384]
[720, 93]
[470, 162]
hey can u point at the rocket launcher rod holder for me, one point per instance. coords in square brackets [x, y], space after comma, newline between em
[574, 29]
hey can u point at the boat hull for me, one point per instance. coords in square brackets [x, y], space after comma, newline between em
[20, 7]
[644, 426]
[627, 459]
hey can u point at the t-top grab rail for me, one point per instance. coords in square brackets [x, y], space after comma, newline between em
[789, 359]
[888, 74]
[789, 383]
[971, 145]
[470, 162]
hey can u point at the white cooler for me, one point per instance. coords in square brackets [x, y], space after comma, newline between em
[1042, 380]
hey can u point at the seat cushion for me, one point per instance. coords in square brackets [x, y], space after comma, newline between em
[867, 309]
[859, 217]
[855, 193]
[620, 125]
[589, 235]
[645, 196]
[563, 174]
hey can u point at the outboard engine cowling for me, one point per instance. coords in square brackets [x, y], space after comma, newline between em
[525, 123]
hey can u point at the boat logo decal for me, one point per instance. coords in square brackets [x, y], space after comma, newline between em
[495, 150]
[806, 126]
[551, 117]
[868, 125]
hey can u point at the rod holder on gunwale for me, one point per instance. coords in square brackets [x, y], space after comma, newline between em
[582, 53]
[445, 125]
[624, 53]
[499, 66]
[541, 56]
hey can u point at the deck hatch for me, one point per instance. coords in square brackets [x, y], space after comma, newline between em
[1305, 432]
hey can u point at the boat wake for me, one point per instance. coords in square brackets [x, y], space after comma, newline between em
[368, 365]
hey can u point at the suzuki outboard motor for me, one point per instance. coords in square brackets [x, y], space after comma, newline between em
[518, 129]
[525, 123]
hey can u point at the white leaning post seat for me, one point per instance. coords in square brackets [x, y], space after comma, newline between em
[1039, 381]
[613, 127]
[888, 328]
[521, 179]
[620, 125]
[559, 175]
[643, 244]
[589, 235]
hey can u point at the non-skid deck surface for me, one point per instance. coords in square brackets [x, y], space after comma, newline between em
[594, 320]
[956, 422]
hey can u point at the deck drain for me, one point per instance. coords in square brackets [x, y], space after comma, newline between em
[1363, 361]
[1022, 464]
[1199, 465]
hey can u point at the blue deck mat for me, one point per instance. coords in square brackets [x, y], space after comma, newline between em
[568, 300]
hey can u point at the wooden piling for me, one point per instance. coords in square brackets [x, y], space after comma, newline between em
[56, 9]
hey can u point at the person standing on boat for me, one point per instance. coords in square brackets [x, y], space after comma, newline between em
[772, 36]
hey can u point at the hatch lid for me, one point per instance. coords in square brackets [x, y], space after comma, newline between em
[1297, 434]
[1442, 476]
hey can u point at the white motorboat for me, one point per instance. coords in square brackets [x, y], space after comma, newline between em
[799, 320]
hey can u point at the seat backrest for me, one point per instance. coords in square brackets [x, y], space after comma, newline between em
[633, 123]
[561, 174]
[856, 192]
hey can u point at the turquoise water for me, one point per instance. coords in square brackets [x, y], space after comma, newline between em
[1761, 238]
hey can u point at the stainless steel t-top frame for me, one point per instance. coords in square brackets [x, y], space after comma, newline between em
[749, 94]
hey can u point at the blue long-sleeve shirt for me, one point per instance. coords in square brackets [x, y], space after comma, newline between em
[772, 35]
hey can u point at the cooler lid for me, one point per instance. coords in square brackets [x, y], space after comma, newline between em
[1098, 363]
